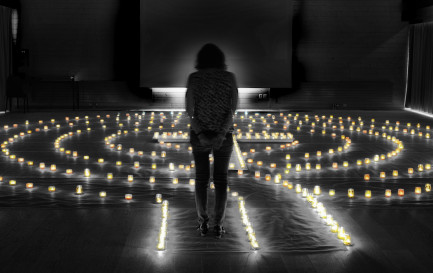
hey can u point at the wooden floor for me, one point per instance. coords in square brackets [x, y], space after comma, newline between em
[388, 237]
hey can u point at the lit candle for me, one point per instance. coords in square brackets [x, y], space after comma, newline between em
[420, 167]
[158, 198]
[400, 192]
[268, 177]
[42, 165]
[317, 190]
[240, 172]
[257, 174]
[102, 194]
[382, 175]
[259, 163]
[136, 164]
[130, 178]
[366, 177]
[387, 193]
[331, 192]
[273, 165]
[335, 165]
[152, 179]
[128, 196]
[410, 171]
[368, 193]
[351, 193]
[29, 185]
[298, 167]
[417, 190]
[192, 181]
[298, 188]
[118, 163]
[51, 188]
[86, 172]
[12, 182]
[100, 160]
[394, 173]
[53, 167]
[318, 166]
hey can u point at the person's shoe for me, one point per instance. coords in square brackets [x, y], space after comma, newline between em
[203, 228]
[219, 231]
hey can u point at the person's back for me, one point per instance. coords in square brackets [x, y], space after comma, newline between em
[214, 99]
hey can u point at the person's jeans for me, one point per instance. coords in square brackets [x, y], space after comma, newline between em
[220, 171]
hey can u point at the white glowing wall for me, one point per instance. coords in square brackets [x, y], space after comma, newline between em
[255, 35]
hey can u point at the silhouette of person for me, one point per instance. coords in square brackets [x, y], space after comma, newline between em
[211, 101]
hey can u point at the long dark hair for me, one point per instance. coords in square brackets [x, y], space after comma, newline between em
[210, 56]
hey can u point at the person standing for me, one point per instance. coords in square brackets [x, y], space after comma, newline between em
[211, 101]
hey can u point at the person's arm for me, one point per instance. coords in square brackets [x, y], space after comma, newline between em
[189, 99]
[235, 95]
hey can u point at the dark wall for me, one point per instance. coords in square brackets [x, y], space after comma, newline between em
[351, 41]
[334, 41]
[94, 40]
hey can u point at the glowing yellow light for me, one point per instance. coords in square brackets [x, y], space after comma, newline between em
[118, 163]
[318, 166]
[136, 164]
[42, 165]
[192, 181]
[152, 179]
[387, 193]
[128, 196]
[158, 198]
[86, 157]
[382, 175]
[368, 194]
[273, 165]
[417, 190]
[298, 188]
[420, 167]
[30, 163]
[12, 182]
[130, 178]
[400, 192]
[29, 185]
[317, 190]
[298, 167]
[335, 165]
[428, 187]
[395, 173]
[367, 177]
[86, 172]
[100, 160]
[410, 171]
[331, 192]
[259, 163]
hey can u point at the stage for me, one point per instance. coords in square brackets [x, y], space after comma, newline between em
[92, 204]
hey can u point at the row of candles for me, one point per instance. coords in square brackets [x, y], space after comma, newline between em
[247, 223]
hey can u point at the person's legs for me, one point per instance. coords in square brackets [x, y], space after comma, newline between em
[202, 174]
[220, 172]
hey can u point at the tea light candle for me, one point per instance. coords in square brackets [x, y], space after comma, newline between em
[100, 160]
[345, 164]
[395, 173]
[298, 167]
[158, 198]
[410, 171]
[192, 181]
[257, 174]
[387, 193]
[400, 192]
[331, 192]
[86, 157]
[273, 165]
[259, 163]
[12, 182]
[152, 179]
[318, 166]
[30, 163]
[268, 177]
[42, 165]
[102, 194]
[136, 164]
[417, 190]
[351, 193]
[382, 175]
[118, 163]
[420, 167]
[428, 187]
[307, 155]
[367, 177]
[368, 194]
[29, 185]
[51, 188]
[335, 165]
[331, 151]
[130, 178]
[53, 167]
[317, 190]
[171, 167]
[298, 188]
[86, 172]
[128, 196]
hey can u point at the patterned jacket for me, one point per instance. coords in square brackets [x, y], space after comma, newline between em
[211, 100]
